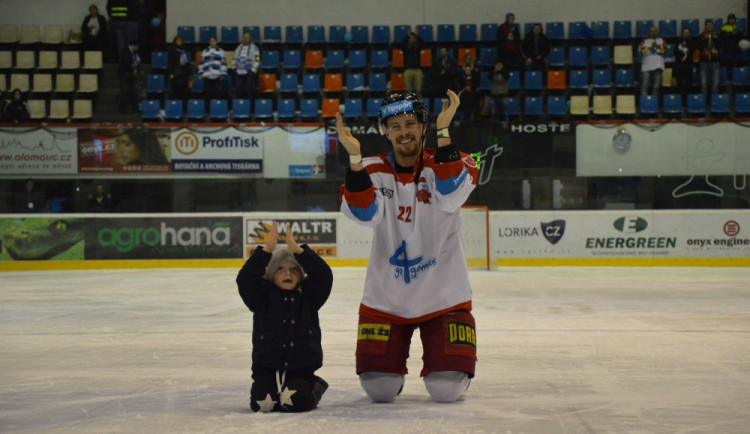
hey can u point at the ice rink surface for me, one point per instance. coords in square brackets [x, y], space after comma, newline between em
[561, 350]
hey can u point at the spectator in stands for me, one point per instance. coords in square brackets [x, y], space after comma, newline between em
[145, 28]
[127, 72]
[684, 63]
[94, 30]
[444, 73]
[412, 48]
[499, 93]
[30, 199]
[16, 111]
[469, 85]
[508, 43]
[652, 50]
[535, 49]
[213, 69]
[122, 22]
[138, 146]
[180, 69]
[731, 54]
[246, 64]
[708, 45]
[99, 201]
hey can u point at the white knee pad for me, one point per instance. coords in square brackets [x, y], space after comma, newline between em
[446, 386]
[381, 386]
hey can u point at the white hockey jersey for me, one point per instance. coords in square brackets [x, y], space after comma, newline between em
[417, 268]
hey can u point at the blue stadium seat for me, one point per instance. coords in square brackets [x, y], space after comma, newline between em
[577, 56]
[269, 59]
[381, 35]
[263, 109]
[624, 78]
[642, 28]
[173, 110]
[308, 108]
[399, 32]
[357, 59]
[487, 56]
[271, 34]
[316, 34]
[287, 108]
[425, 32]
[720, 103]
[669, 54]
[668, 28]
[353, 108]
[230, 35]
[741, 75]
[579, 31]
[533, 106]
[485, 81]
[557, 106]
[514, 81]
[205, 33]
[159, 60]
[187, 33]
[254, 32]
[360, 35]
[289, 83]
[556, 56]
[293, 35]
[310, 83]
[240, 109]
[488, 32]
[742, 103]
[155, 83]
[514, 106]
[692, 24]
[196, 109]
[555, 30]
[150, 110]
[579, 79]
[373, 107]
[334, 59]
[377, 82]
[336, 34]
[600, 30]
[379, 59]
[467, 33]
[292, 59]
[672, 104]
[218, 109]
[696, 104]
[648, 104]
[197, 84]
[601, 78]
[355, 82]
[446, 33]
[623, 29]
[532, 80]
[600, 55]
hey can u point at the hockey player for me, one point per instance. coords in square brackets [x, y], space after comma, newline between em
[417, 274]
[286, 330]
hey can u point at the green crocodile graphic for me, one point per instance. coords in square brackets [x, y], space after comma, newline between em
[42, 238]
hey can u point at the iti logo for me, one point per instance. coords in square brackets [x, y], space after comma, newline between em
[630, 224]
[186, 143]
[553, 231]
[731, 228]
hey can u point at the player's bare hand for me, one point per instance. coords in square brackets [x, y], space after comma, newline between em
[450, 106]
[346, 138]
[291, 243]
[273, 236]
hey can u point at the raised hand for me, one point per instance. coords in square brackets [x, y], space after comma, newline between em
[291, 243]
[346, 138]
[450, 106]
[273, 236]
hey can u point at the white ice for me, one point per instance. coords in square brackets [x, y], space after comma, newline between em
[561, 350]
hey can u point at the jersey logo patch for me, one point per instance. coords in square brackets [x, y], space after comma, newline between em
[462, 333]
[423, 194]
[375, 332]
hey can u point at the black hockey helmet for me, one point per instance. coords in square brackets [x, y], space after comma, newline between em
[397, 103]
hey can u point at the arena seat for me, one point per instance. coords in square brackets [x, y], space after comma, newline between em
[467, 33]
[174, 110]
[240, 109]
[353, 108]
[292, 59]
[263, 109]
[557, 105]
[287, 109]
[309, 109]
[381, 35]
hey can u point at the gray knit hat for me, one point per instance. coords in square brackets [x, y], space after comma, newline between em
[280, 256]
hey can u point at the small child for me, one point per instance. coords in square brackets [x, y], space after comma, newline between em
[286, 329]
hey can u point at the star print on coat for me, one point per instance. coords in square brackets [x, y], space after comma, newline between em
[267, 405]
[285, 397]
